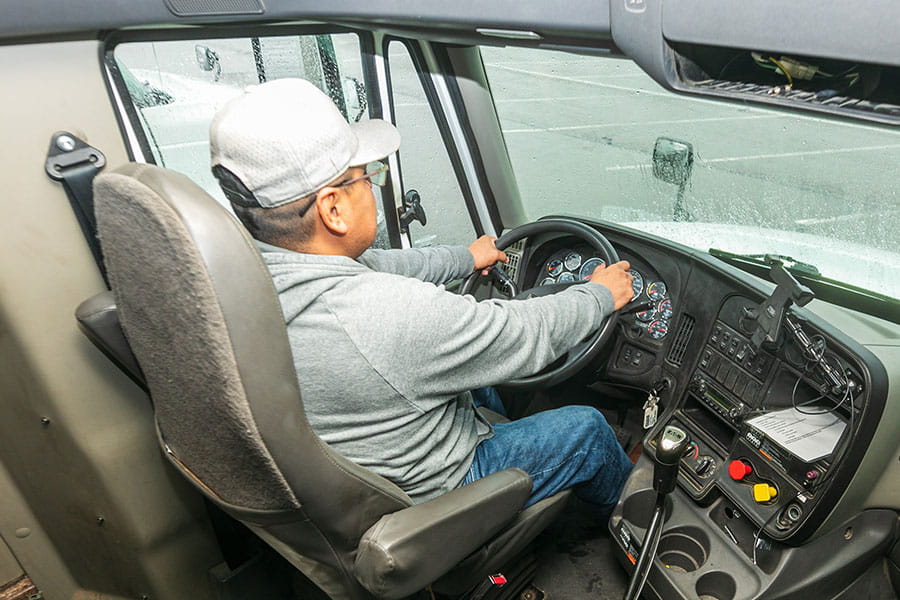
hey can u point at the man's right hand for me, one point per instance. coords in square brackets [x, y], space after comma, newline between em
[617, 278]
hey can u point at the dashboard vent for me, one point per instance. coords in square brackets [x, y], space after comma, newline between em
[681, 340]
[514, 253]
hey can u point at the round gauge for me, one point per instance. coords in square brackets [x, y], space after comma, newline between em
[588, 267]
[645, 315]
[554, 267]
[656, 290]
[638, 284]
[573, 261]
[548, 281]
[566, 278]
[665, 308]
[658, 329]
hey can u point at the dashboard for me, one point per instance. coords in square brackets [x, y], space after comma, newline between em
[793, 435]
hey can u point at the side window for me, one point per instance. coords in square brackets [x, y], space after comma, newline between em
[424, 160]
[176, 87]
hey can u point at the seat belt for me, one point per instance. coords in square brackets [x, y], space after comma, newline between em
[73, 162]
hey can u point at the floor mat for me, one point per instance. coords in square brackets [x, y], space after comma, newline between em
[576, 559]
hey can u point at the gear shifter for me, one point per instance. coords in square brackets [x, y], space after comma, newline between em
[670, 447]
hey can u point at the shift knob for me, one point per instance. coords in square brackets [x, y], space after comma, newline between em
[670, 447]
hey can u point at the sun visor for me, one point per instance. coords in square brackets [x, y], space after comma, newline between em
[837, 58]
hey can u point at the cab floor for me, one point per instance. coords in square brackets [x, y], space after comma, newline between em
[576, 559]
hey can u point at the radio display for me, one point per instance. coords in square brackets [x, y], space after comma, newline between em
[708, 421]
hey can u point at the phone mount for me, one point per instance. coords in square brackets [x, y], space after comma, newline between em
[769, 316]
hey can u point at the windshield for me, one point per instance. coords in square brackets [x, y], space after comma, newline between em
[582, 130]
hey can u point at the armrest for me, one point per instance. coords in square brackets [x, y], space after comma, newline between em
[407, 550]
[99, 321]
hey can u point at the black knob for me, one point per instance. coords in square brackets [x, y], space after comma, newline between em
[698, 385]
[670, 447]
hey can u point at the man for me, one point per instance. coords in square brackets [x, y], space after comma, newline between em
[384, 355]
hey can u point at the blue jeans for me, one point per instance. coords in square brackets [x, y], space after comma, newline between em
[569, 447]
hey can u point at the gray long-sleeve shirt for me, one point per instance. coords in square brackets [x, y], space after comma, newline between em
[385, 356]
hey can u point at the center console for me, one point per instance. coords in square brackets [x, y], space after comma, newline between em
[776, 428]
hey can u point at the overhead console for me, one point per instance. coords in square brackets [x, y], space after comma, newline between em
[839, 59]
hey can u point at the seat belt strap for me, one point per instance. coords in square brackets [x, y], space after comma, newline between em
[74, 163]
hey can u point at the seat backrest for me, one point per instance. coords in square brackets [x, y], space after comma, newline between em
[202, 317]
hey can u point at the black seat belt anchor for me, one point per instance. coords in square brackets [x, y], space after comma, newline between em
[74, 163]
[66, 151]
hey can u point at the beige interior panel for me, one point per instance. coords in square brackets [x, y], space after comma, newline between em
[10, 568]
[76, 436]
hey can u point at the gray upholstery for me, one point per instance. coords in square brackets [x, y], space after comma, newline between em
[200, 313]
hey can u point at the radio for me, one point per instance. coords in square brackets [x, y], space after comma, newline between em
[731, 410]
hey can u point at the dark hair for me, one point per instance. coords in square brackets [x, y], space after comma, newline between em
[279, 226]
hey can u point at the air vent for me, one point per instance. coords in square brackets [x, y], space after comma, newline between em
[211, 8]
[514, 253]
[681, 340]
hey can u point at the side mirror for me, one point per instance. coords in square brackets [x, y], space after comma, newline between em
[208, 60]
[411, 210]
[672, 163]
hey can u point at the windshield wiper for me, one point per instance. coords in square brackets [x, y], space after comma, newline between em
[790, 263]
[829, 290]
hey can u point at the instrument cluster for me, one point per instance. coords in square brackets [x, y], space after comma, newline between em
[570, 266]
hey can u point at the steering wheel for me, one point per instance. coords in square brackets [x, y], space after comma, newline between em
[579, 355]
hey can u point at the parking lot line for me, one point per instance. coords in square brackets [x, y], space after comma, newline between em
[773, 155]
[671, 96]
[627, 123]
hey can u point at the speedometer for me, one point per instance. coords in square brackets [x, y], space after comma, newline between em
[573, 261]
[588, 267]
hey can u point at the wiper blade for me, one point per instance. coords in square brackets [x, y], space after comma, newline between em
[829, 290]
[790, 263]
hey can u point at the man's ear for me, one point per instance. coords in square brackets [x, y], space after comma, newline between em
[331, 208]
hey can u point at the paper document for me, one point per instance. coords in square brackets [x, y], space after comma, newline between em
[807, 436]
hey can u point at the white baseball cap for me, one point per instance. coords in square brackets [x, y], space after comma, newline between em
[286, 139]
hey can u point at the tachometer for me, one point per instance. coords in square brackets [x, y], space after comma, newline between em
[554, 267]
[638, 284]
[656, 290]
[658, 329]
[588, 267]
[573, 261]
[665, 308]
[566, 278]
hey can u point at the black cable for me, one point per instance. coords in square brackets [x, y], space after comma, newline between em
[759, 533]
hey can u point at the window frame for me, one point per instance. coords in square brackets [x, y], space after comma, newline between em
[140, 149]
[456, 135]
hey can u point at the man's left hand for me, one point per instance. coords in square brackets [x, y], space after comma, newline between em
[486, 254]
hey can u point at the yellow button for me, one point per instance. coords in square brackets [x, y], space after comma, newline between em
[763, 492]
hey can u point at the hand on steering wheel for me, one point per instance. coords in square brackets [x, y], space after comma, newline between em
[582, 353]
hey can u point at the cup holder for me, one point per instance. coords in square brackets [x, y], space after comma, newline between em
[638, 508]
[683, 549]
[716, 585]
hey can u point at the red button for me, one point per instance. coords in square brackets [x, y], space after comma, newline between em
[739, 469]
